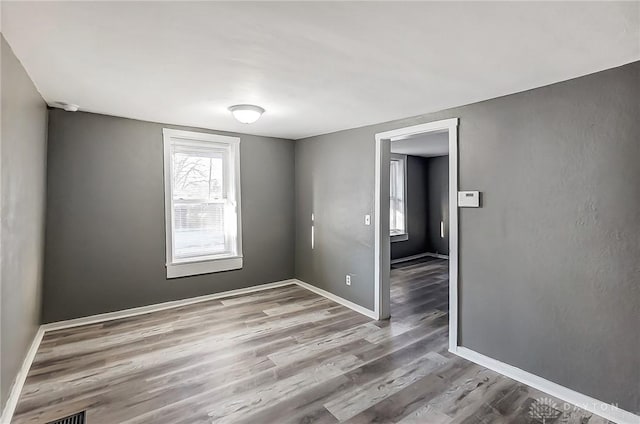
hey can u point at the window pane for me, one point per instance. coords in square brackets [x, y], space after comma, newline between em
[197, 177]
[199, 229]
[199, 202]
[393, 176]
[397, 201]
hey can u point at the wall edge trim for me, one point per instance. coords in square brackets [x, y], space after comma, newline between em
[418, 256]
[600, 408]
[340, 300]
[141, 310]
[16, 390]
[21, 377]
[126, 313]
[595, 406]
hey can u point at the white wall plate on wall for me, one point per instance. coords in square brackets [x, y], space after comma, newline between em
[469, 199]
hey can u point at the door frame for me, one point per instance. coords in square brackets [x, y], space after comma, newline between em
[382, 248]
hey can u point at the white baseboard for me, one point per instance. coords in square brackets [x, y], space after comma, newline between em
[344, 302]
[16, 389]
[125, 313]
[12, 401]
[595, 406]
[603, 409]
[418, 256]
[438, 255]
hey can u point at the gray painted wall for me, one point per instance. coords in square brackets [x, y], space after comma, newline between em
[549, 265]
[417, 211]
[334, 181]
[438, 204]
[105, 245]
[22, 201]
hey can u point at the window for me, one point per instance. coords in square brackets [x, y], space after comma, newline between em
[398, 189]
[202, 203]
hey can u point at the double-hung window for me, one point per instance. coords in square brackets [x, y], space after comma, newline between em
[202, 203]
[398, 190]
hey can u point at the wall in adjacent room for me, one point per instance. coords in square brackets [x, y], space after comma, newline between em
[549, 265]
[427, 204]
[23, 156]
[417, 212]
[105, 245]
[438, 204]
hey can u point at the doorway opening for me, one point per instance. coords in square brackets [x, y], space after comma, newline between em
[416, 229]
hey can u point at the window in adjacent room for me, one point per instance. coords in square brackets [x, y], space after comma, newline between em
[398, 194]
[202, 203]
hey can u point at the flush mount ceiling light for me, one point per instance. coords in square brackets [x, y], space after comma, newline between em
[247, 114]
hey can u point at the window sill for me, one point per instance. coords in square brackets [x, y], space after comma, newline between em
[204, 267]
[399, 237]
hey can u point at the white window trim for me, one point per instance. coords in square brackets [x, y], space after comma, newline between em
[405, 235]
[198, 266]
[399, 237]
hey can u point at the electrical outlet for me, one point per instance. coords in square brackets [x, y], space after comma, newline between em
[367, 220]
[348, 280]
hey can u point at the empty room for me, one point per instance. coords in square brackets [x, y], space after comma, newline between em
[270, 212]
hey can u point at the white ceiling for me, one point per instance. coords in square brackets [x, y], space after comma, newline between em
[316, 67]
[426, 145]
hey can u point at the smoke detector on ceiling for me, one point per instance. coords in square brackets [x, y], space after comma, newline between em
[69, 107]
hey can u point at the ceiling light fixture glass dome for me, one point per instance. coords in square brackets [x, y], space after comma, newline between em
[247, 114]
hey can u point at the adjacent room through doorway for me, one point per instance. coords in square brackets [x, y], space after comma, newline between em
[419, 228]
[416, 255]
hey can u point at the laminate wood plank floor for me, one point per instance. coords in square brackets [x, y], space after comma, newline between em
[283, 355]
